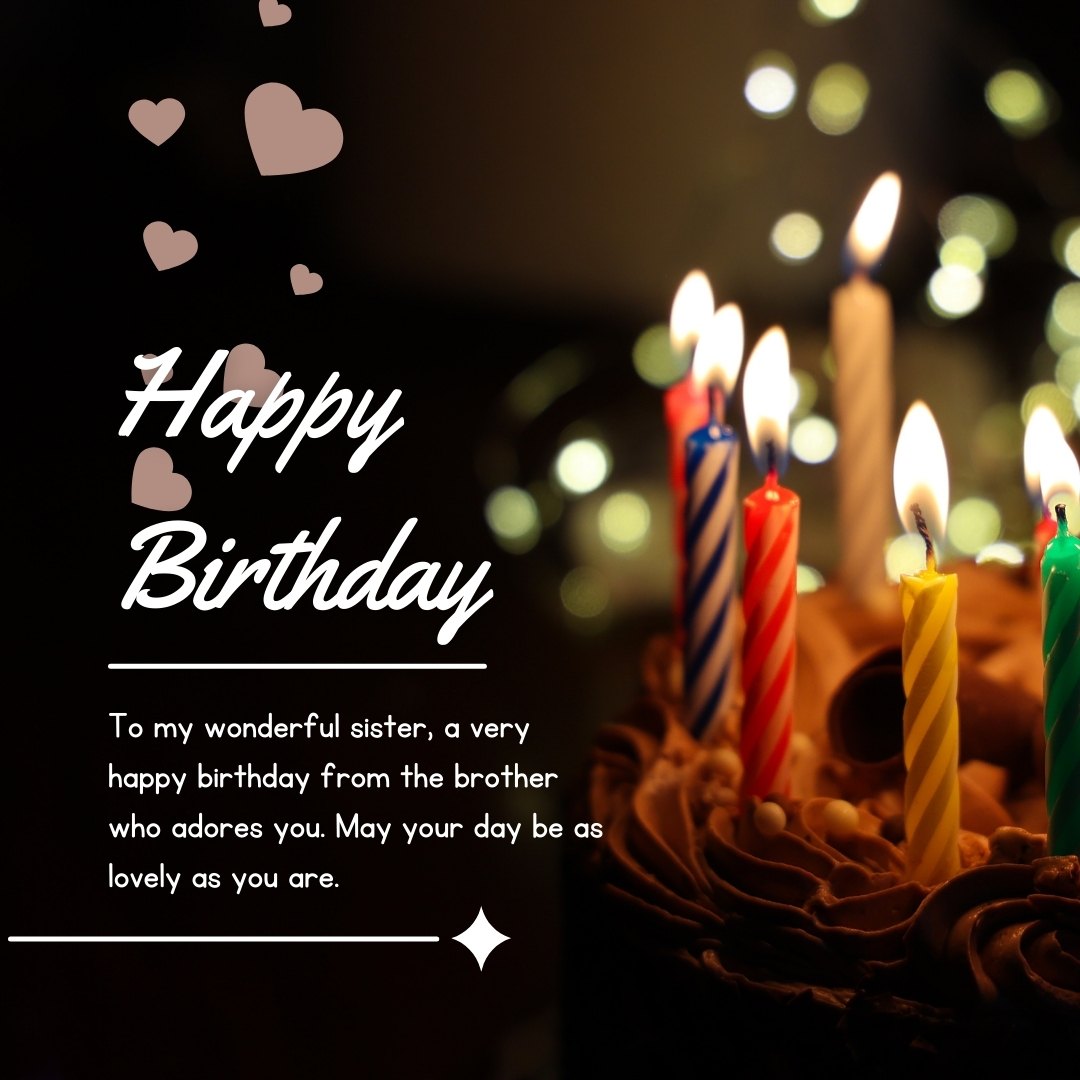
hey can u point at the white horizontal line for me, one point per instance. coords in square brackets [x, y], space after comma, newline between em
[100, 939]
[298, 667]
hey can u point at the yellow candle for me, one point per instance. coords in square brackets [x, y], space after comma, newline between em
[931, 724]
[931, 719]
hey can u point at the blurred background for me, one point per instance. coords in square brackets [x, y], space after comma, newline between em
[522, 188]
[582, 159]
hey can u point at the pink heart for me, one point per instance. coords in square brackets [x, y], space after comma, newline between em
[167, 248]
[148, 373]
[304, 282]
[155, 485]
[245, 369]
[284, 136]
[274, 14]
[156, 122]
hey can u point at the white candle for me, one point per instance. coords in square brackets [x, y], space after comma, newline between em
[712, 474]
[862, 334]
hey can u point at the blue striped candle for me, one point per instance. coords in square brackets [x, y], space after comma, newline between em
[712, 470]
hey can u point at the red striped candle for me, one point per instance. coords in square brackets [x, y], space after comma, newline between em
[686, 408]
[771, 532]
[686, 403]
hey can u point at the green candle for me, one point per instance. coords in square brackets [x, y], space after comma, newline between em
[1061, 655]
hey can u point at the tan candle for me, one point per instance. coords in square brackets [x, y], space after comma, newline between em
[862, 334]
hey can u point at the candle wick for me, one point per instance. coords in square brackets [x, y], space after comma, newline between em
[716, 404]
[924, 532]
[1062, 520]
[770, 455]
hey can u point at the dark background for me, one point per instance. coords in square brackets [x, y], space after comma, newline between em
[515, 179]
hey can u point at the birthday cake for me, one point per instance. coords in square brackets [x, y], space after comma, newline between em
[769, 933]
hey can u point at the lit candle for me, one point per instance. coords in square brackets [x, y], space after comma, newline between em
[712, 475]
[1042, 434]
[1061, 657]
[929, 658]
[686, 403]
[686, 407]
[862, 332]
[771, 527]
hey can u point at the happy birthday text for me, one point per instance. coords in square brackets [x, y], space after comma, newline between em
[301, 568]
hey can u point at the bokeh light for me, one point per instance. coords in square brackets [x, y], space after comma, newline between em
[806, 393]
[545, 380]
[1067, 370]
[822, 12]
[794, 393]
[654, 358]
[838, 97]
[582, 466]
[585, 592]
[1019, 101]
[1065, 311]
[987, 220]
[905, 555]
[813, 440]
[624, 521]
[795, 238]
[954, 291]
[1001, 552]
[513, 517]
[807, 579]
[770, 87]
[963, 251]
[1066, 245]
[998, 437]
[1050, 395]
[973, 523]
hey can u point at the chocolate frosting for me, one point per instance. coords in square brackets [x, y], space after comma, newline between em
[807, 915]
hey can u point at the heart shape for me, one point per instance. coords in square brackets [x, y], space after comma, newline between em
[245, 369]
[304, 282]
[167, 248]
[284, 136]
[148, 373]
[156, 122]
[155, 485]
[274, 14]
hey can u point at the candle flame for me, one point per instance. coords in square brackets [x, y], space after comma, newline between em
[719, 353]
[1042, 430]
[691, 310]
[1059, 473]
[920, 471]
[767, 399]
[870, 231]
